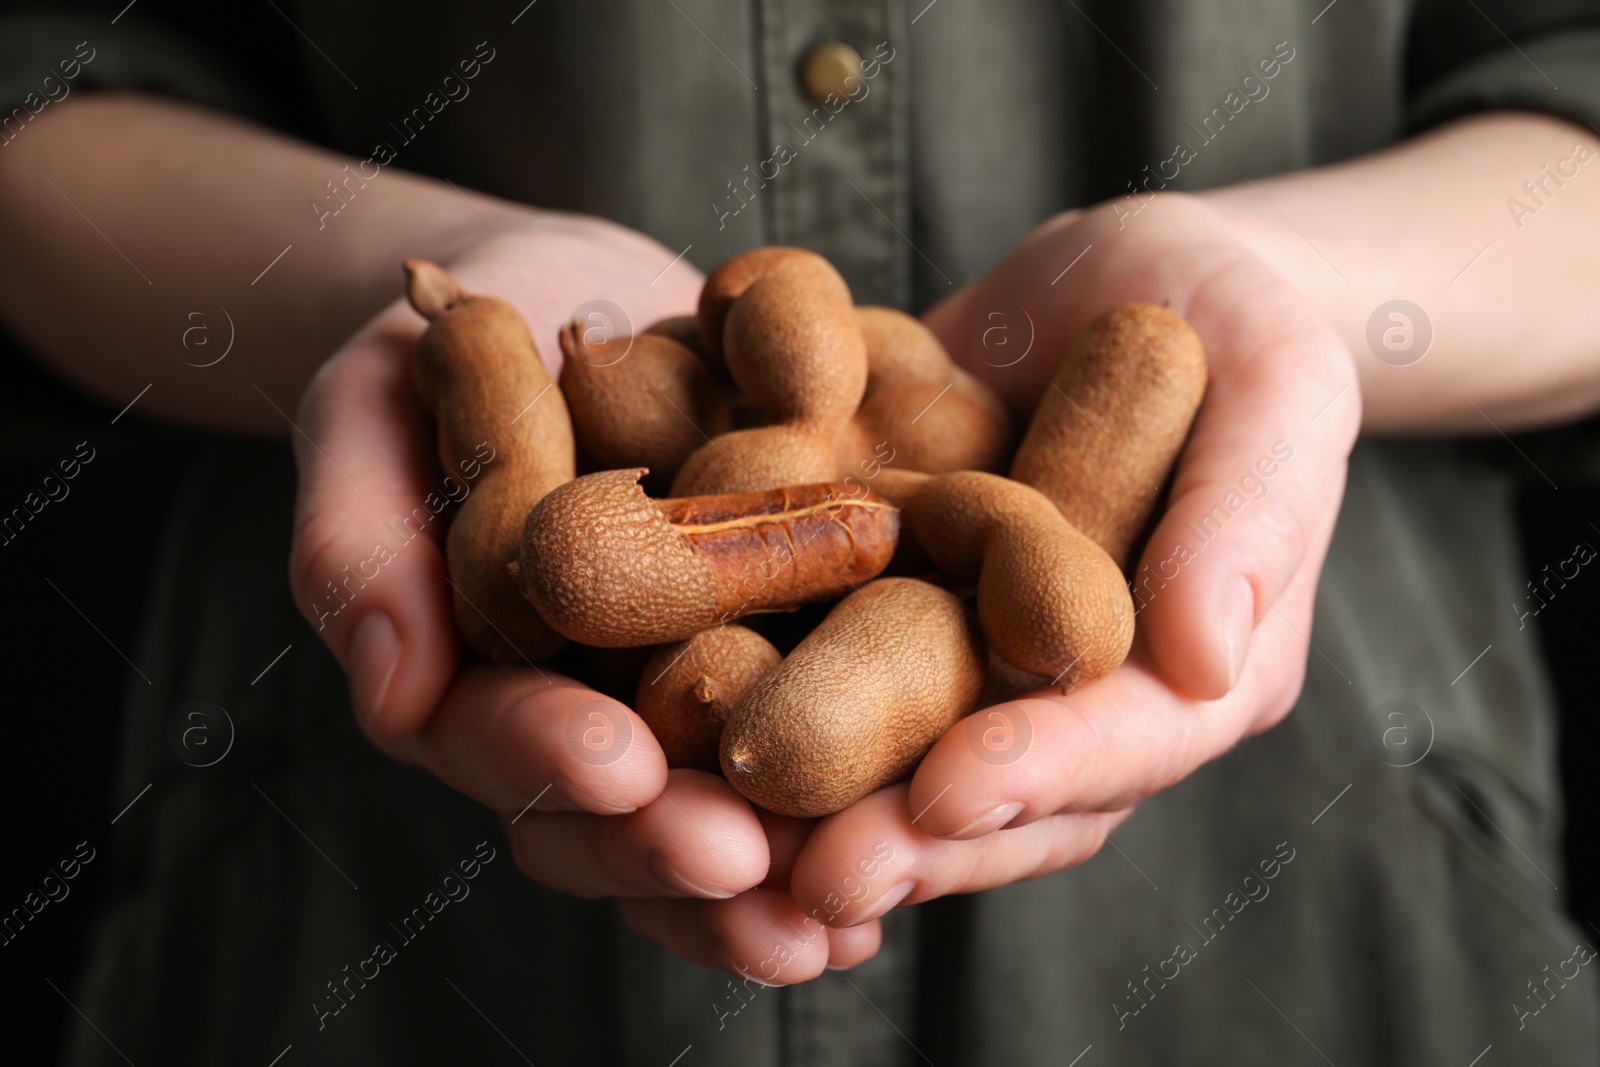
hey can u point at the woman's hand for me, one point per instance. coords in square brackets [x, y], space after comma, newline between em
[1223, 591]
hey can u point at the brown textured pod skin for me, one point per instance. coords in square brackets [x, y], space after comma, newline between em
[1005, 682]
[792, 344]
[606, 565]
[730, 278]
[1050, 600]
[688, 689]
[858, 703]
[762, 457]
[476, 368]
[643, 401]
[1104, 439]
[684, 329]
[935, 415]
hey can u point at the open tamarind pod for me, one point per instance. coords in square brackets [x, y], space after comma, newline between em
[606, 565]
[792, 344]
[730, 278]
[858, 702]
[1105, 437]
[1050, 601]
[641, 401]
[688, 689]
[935, 415]
[477, 370]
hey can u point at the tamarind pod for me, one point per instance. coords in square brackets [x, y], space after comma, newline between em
[934, 415]
[1050, 600]
[759, 458]
[684, 329]
[1105, 437]
[476, 369]
[688, 689]
[1003, 682]
[858, 702]
[606, 565]
[897, 484]
[642, 401]
[730, 278]
[792, 344]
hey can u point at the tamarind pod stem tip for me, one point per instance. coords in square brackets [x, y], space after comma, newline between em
[430, 289]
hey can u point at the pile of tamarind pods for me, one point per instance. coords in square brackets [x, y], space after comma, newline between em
[798, 447]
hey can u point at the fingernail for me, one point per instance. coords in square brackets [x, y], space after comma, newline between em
[374, 655]
[986, 823]
[674, 880]
[889, 899]
[1238, 621]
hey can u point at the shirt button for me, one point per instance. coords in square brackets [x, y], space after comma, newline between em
[831, 68]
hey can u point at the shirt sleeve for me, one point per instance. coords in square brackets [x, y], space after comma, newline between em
[1533, 55]
[44, 59]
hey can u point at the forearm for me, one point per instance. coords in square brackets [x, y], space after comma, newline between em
[175, 210]
[1516, 331]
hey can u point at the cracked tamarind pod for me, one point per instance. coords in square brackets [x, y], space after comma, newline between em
[1105, 437]
[858, 702]
[476, 370]
[606, 565]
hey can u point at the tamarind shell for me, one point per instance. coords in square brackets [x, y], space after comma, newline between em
[606, 565]
[641, 401]
[477, 370]
[791, 343]
[729, 279]
[1050, 600]
[684, 329]
[1105, 437]
[858, 702]
[932, 414]
[760, 458]
[688, 688]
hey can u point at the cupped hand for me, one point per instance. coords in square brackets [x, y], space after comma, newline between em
[1223, 591]
[604, 819]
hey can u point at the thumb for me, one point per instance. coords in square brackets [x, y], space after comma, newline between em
[365, 567]
[1257, 489]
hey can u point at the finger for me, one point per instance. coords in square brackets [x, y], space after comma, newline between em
[828, 883]
[761, 936]
[854, 945]
[1258, 487]
[1107, 745]
[785, 836]
[698, 839]
[365, 566]
[510, 736]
